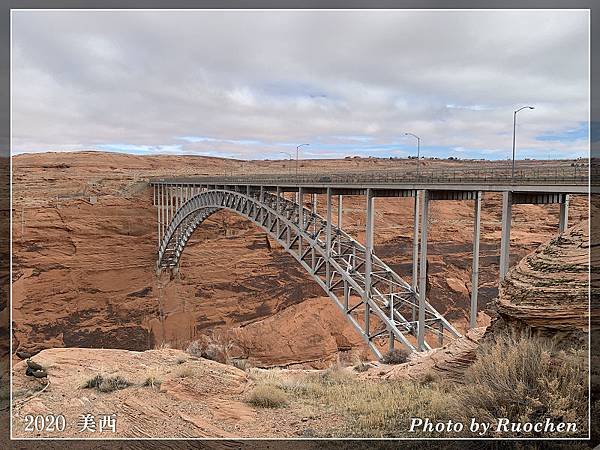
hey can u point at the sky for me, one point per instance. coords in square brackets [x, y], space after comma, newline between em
[255, 84]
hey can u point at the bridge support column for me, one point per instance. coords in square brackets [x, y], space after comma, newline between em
[563, 223]
[157, 204]
[368, 255]
[261, 211]
[391, 338]
[415, 255]
[505, 237]
[165, 207]
[423, 271]
[277, 203]
[313, 255]
[314, 211]
[475, 270]
[339, 222]
[168, 205]
[159, 211]
[173, 198]
[300, 217]
[163, 212]
[328, 238]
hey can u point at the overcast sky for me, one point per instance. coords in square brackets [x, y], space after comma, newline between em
[253, 84]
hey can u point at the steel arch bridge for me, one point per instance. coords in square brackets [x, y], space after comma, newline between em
[375, 300]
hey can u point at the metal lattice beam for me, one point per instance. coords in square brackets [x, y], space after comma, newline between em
[375, 300]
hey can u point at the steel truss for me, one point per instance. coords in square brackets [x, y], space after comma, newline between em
[375, 300]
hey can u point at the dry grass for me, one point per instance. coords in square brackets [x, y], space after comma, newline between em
[522, 378]
[152, 382]
[370, 408]
[107, 384]
[267, 396]
[184, 372]
[526, 379]
[17, 393]
[362, 367]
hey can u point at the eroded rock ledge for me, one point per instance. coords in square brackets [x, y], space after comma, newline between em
[548, 290]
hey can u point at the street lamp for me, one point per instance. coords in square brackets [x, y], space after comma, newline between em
[514, 131]
[418, 149]
[297, 150]
[289, 165]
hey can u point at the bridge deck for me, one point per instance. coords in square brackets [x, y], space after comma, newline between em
[382, 188]
[564, 179]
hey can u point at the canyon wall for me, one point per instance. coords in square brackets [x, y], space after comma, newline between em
[84, 272]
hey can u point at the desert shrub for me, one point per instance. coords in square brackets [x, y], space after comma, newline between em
[152, 382]
[267, 396]
[184, 372]
[93, 382]
[526, 379]
[294, 386]
[396, 356]
[111, 384]
[362, 367]
[429, 377]
[107, 384]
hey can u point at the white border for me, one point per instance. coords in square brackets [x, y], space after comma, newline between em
[12, 438]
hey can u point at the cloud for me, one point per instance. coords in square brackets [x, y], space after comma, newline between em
[250, 84]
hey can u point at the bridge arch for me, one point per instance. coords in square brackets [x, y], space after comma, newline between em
[382, 307]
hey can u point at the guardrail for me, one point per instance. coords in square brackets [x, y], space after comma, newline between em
[569, 175]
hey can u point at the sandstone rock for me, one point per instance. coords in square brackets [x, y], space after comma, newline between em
[548, 290]
[84, 274]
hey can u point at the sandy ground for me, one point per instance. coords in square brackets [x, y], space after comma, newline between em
[197, 397]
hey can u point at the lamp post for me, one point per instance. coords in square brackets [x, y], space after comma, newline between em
[418, 150]
[297, 151]
[289, 165]
[512, 176]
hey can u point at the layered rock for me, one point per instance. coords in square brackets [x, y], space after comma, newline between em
[548, 290]
[83, 274]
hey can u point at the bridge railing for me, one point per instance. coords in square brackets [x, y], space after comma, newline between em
[571, 175]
